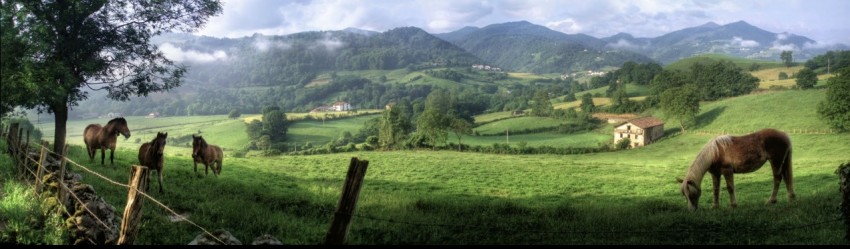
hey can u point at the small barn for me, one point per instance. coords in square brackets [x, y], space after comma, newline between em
[640, 131]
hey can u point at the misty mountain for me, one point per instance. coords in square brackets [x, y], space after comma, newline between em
[526, 47]
[295, 59]
[739, 39]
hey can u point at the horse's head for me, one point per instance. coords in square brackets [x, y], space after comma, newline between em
[118, 126]
[159, 143]
[198, 144]
[691, 191]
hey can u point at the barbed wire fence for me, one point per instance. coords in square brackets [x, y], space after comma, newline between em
[19, 149]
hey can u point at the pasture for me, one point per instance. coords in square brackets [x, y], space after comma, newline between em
[447, 197]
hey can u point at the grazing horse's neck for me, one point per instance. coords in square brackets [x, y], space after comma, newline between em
[709, 153]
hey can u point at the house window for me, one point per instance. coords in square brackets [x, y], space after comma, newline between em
[621, 135]
[637, 136]
[628, 127]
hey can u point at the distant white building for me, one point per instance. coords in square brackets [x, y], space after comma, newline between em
[341, 106]
[639, 131]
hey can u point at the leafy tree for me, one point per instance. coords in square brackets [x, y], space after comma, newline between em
[393, 128]
[754, 67]
[681, 103]
[835, 109]
[806, 78]
[542, 107]
[434, 122]
[72, 46]
[722, 79]
[587, 103]
[275, 125]
[668, 79]
[787, 58]
[460, 127]
[783, 76]
[14, 87]
[234, 114]
[254, 129]
[264, 142]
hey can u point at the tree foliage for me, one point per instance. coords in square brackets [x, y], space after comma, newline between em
[787, 58]
[835, 109]
[541, 107]
[72, 46]
[681, 103]
[275, 124]
[586, 105]
[722, 79]
[806, 78]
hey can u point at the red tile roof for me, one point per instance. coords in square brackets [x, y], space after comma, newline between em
[646, 122]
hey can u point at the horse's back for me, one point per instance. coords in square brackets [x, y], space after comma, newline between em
[142, 155]
[219, 154]
[90, 133]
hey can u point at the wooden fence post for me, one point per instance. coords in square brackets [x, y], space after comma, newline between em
[133, 210]
[40, 168]
[347, 202]
[63, 197]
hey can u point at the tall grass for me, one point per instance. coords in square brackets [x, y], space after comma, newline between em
[25, 219]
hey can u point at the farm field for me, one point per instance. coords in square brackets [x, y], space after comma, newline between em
[447, 197]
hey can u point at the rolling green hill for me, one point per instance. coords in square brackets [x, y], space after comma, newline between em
[446, 197]
[685, 64]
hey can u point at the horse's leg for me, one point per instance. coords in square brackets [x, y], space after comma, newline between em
[730, 186]
[789, 181]
[111, 156]
[777, 178]
[90, 152]
[102, 156]
[206, 168]
[196, 164]
[160, 180]
[715, 184]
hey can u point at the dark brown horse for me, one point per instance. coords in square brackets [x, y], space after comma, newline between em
[150, 155]
[97, 137]
[728, 155]
[207, 154]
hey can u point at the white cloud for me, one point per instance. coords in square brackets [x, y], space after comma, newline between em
[568, 26]
[744, 43]
[330, 43]
[263, 43]
[623, 44]
[177, 54]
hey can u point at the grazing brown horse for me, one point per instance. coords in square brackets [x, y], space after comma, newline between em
[97, 137]
[728, 155]
[207, 154]
[150, 155]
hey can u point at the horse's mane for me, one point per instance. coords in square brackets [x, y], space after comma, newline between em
[112, 124]
[709, 153]
[203, 142]
[116, 121]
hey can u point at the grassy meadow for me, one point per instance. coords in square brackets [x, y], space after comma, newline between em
[455, 198]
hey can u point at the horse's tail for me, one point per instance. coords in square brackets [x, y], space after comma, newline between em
[785, 170]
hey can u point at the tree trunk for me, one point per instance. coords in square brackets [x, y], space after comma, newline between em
[60, 112]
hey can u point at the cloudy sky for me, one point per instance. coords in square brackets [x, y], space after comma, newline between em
[825, 21]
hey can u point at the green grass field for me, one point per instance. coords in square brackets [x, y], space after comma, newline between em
[453, 198]
[519, 123]
[685, 64]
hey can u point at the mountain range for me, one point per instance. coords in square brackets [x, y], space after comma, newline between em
[515, 46]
